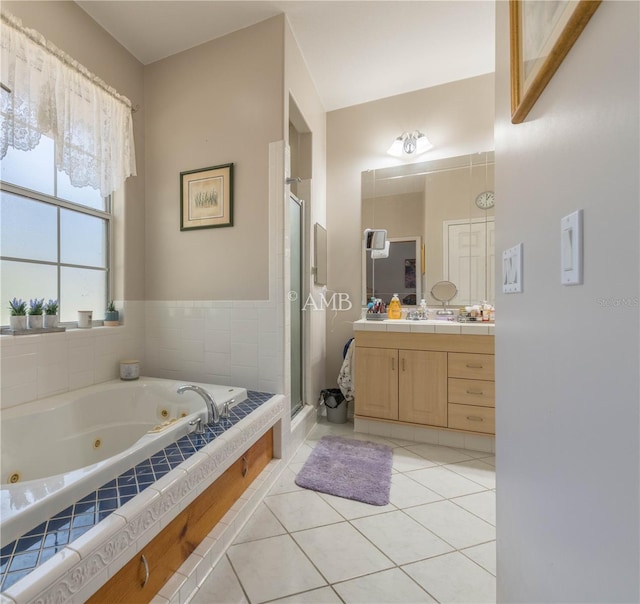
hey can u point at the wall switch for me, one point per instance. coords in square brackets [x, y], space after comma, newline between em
[571, 249]
[512, 270]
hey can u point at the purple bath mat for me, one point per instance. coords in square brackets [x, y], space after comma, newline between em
[353, 469]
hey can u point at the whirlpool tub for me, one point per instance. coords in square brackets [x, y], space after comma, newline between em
[56, 450]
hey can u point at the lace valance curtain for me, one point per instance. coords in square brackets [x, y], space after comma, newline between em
[52, 94]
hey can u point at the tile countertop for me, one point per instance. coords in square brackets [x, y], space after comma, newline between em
[428, 326]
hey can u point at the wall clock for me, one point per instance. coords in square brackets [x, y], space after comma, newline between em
[486, 200]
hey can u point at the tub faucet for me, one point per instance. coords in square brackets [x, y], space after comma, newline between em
[213, 415]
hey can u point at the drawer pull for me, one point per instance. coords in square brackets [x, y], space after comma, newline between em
[403, 363]
[474, 365]
[245, 466]
[478, 392]
[393, 364]
[474, 418]
[146, 570]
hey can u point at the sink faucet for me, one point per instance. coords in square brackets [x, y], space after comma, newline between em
[213, 415]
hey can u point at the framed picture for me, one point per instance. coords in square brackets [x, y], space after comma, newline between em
[206, 198]
[542, 33]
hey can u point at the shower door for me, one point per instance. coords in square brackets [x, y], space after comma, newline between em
[296, 302]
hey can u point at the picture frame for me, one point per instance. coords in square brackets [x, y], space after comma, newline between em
[541, 35]
[206, 198]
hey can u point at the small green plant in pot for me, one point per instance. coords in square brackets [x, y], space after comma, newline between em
[18, 318]
[112, 315]
[51, 313]
[34, 316]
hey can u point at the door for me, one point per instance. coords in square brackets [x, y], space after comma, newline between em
[377, 382]
[469, 259]
[296, 294]
[422, 387]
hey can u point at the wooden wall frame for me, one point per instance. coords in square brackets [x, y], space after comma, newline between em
[541, 35]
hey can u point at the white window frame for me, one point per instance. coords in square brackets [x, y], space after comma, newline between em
[106, 215]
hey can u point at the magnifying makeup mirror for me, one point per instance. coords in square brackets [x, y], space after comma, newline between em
[375, 239]
[444, 291]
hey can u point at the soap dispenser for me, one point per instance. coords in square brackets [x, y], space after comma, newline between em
[395, 309]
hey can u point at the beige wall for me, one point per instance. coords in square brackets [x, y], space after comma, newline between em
[450, 195]
[218, 103]
[457, 118]
[567, 357]
[401, 215]
[67, 26]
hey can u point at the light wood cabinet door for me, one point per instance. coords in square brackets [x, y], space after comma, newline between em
[377, 383]
[422, 387]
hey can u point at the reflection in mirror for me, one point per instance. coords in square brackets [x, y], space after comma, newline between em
[375, 239]
[395, 274]
[448, 205]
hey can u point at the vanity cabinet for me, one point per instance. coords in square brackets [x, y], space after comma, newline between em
[440, 380]
[403, 385]
[472, 392]
[143, 576]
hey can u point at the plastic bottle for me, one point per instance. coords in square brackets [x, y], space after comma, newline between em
[423, 309]
[395, 309]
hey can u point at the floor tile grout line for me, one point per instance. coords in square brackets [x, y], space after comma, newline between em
[350, 523]
[470, 512]
[462, 551]
[233, 570]
[418, 584]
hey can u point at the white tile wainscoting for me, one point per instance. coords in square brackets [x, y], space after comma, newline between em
[42, 365]
[223, 342]
[235, 343]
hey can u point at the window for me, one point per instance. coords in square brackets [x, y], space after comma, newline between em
[54, 237]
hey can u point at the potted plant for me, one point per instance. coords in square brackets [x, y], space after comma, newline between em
[51, 314]
[112, 315]
[34, 317]
[18, 318]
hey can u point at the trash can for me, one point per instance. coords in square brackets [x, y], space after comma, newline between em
[336, 405]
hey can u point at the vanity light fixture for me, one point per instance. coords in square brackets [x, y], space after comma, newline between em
[410, 143]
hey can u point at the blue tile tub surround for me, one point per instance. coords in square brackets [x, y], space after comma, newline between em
[19, 558]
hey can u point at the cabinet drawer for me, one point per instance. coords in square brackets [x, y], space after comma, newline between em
[473, 418]
[472, 392]
[471, 366]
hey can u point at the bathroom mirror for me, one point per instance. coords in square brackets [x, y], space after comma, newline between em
[375, 239]
[320, 254]
[447, 205]
[444, 291]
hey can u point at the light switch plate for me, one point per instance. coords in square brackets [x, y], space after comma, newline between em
[512, 270]
[571, 249]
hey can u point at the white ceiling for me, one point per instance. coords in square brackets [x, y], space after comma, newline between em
[356, 51]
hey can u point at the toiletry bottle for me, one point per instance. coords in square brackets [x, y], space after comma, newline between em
[423, 309]
[395, 309]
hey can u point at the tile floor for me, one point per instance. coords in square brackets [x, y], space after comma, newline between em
[434, 542]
